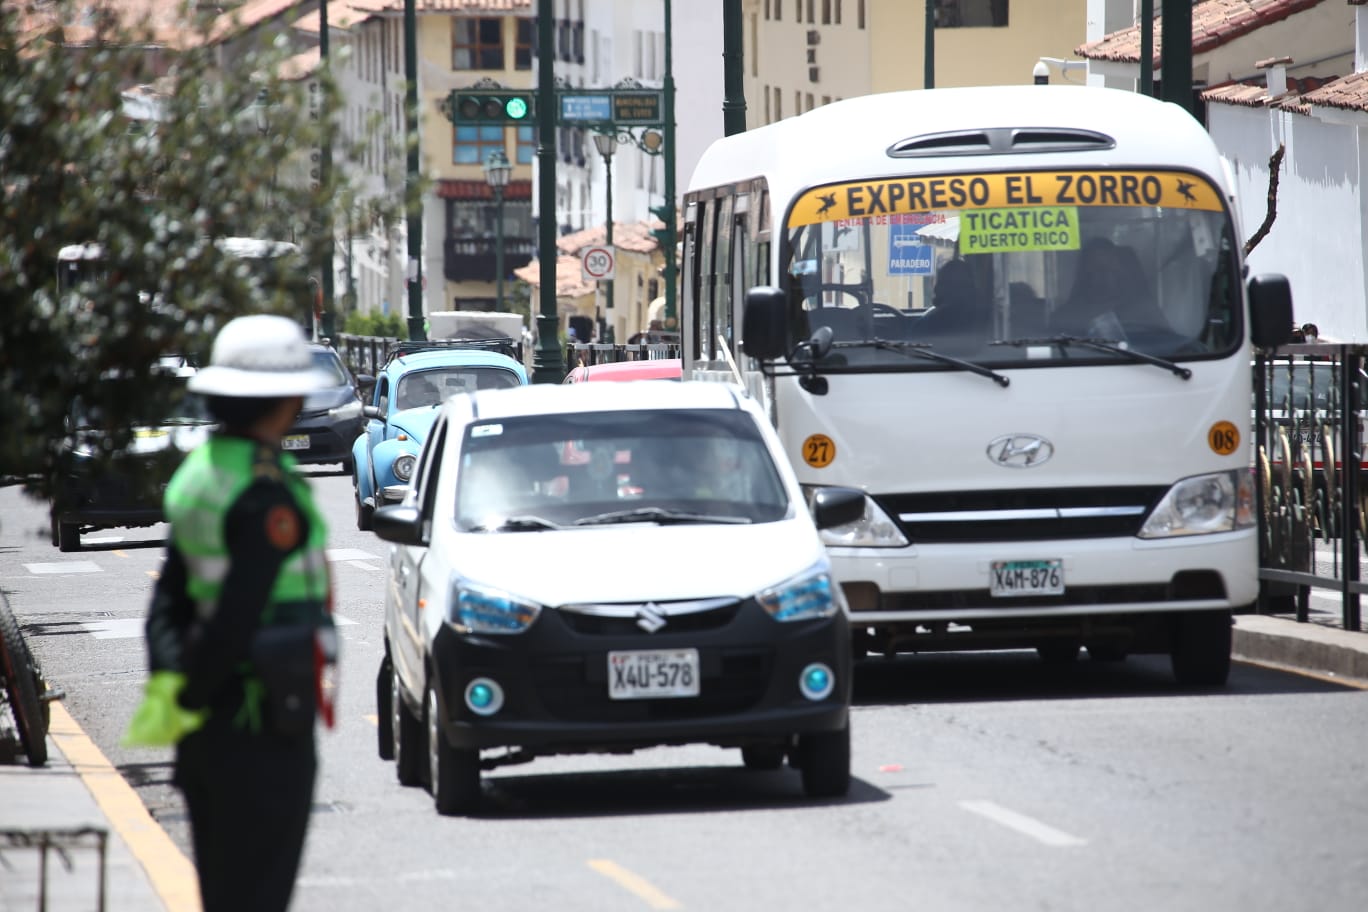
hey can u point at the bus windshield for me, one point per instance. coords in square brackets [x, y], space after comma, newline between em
[1026, 269]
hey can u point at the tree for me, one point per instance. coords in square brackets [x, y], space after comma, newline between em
[156, 194]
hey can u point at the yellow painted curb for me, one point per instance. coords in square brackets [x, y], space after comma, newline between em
[172, 874]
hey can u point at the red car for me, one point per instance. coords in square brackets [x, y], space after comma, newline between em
[657, 369]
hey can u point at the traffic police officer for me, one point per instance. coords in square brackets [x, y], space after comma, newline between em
[240, 623]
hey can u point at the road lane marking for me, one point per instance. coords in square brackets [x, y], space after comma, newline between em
[171, 874]
[633, 883]
[115, 628]
[155, 574]
[1028, 826]
[64, 567]
[102, 540]
[1355, 683]
[350, 554]
[117, 553]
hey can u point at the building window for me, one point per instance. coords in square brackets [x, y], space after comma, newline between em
[472, 145]
[522, 48]
[860, 13]
[838, 12]
[778, 104]
[766, 92]
[826, 12]
[797, 10]
[767, 10]
[809, 102]
[527, 145]
[971, 13]
[477, 44]
[778, 10]
[810, 17]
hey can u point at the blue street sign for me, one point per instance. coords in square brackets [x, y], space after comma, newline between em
[908, 254]
[586, 108]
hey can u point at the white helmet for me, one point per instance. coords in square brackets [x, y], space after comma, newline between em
[258, 357]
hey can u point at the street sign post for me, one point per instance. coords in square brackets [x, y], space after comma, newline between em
[598, 264]
[619, 107]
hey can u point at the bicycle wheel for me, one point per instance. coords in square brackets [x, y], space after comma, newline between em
[21, 680]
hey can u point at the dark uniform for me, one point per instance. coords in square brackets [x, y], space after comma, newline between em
[245, 568]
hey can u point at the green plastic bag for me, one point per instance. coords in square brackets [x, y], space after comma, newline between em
[159, 720]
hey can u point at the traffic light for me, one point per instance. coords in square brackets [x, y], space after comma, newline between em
[491, 106]
[665, 236]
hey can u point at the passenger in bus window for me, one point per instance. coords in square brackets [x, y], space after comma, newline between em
[1110, 296]
[959, 316]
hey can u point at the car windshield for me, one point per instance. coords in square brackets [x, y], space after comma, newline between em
[597, 468]
[163, 400]
[328, 361]
[430, 387]
[1010, 270]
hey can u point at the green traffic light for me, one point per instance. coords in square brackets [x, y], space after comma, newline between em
[516, 108]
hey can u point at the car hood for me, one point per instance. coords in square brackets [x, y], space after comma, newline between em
[329, 398]
[415, 422]
[639, 561]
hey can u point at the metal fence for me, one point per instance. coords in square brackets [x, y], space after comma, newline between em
[1312, 492]
[588, 353]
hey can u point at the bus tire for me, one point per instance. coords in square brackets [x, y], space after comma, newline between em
[1201, 647]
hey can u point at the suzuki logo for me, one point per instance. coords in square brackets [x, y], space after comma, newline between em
[649, 617]
[1020, 451]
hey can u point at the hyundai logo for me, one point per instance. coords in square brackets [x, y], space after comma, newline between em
[1020, 451]
[650, 618]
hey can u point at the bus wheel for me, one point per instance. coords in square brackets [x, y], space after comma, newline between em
[1201, 647]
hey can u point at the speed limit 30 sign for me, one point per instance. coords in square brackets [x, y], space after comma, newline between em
[598, 263]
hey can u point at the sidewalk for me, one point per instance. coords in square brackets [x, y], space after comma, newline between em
[74, 799]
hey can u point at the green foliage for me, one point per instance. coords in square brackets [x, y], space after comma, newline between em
[389, 326]
[230, 156]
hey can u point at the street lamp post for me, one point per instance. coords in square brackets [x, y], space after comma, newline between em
[606, 143]
[496, 171]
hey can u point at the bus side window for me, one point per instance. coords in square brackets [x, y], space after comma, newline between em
[693, 291]
[721, 310]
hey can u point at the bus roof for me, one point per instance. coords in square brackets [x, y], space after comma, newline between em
[851, 138]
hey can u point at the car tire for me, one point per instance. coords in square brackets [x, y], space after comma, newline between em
[68, 536]
[364, 513]
[384, 711]
[453, 773]
[1058, 652]
[407, 737]
[1201, 648]
[824, 761]
[763, 756]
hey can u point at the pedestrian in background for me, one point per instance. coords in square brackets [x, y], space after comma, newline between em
[239, 632]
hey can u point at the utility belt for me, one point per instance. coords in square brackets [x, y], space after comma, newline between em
[288, 680]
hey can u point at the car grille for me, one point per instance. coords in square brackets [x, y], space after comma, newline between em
[1020, 515]
[734, 684]
[623, 619]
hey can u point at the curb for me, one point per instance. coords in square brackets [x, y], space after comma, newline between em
[1311, 647]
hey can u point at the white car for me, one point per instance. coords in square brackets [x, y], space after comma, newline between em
[607, 567]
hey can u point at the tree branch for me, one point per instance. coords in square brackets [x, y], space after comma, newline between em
[1274, 166]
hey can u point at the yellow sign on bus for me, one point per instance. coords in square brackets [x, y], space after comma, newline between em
[905, 195]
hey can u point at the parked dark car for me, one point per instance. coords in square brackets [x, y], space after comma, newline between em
[331, 419]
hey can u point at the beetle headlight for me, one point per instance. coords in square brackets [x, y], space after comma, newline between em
[1203, 504]
[805, 596]
[875, 529]
[479, 609]
[403, 466]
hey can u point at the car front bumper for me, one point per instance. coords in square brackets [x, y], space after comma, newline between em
[555, 679]
[328, 440]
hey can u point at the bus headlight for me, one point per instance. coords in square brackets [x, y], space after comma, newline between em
[804, 597]
[477, 609]
[872, 530]
[1203, 504]
[403, 466]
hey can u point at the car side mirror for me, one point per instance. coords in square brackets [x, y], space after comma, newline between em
[1270, 311]
[365, 382]
[371, 411]
[399, 523]
[833, 507]
[764, 325]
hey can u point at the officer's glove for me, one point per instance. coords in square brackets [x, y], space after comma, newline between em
[159, 720]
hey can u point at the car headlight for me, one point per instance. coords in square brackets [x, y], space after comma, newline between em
[806, 596]
[349, 412]
[1203, 504]
[403, 466]
[872, 530]
[478, 609]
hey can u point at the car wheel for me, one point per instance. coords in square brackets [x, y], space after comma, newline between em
[348, 466]
[68, 536]
[407, 737]
[453, 773]
[1201, 648]
[384, 710]
[364, 513]
[1058, 652]
[763, 756]
[824, 761]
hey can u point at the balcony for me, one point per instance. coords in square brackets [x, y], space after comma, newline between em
[475, 259]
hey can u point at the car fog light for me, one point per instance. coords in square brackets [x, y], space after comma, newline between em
[817, 681]
[484, 697]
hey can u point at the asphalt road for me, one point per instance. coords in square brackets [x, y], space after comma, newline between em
[984, 781]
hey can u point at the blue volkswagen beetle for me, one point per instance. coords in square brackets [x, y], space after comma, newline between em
[402, 407]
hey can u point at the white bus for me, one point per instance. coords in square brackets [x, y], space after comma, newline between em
[1016, 319]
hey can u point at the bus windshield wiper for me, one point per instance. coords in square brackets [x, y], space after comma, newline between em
[1105, 345]
[656, 515]
[924, 350]
[518, 524]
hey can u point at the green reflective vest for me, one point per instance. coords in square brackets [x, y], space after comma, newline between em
[197, 501]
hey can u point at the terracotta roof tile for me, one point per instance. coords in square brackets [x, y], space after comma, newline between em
[479, 190]
[447, 6]
[159, 20]
[1350, 93]
[1214, 23]
[569, 277]
[633, 236]
[1300, 95]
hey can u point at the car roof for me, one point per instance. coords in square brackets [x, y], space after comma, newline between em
[464, 357]
[657, 369]
[576, 398]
